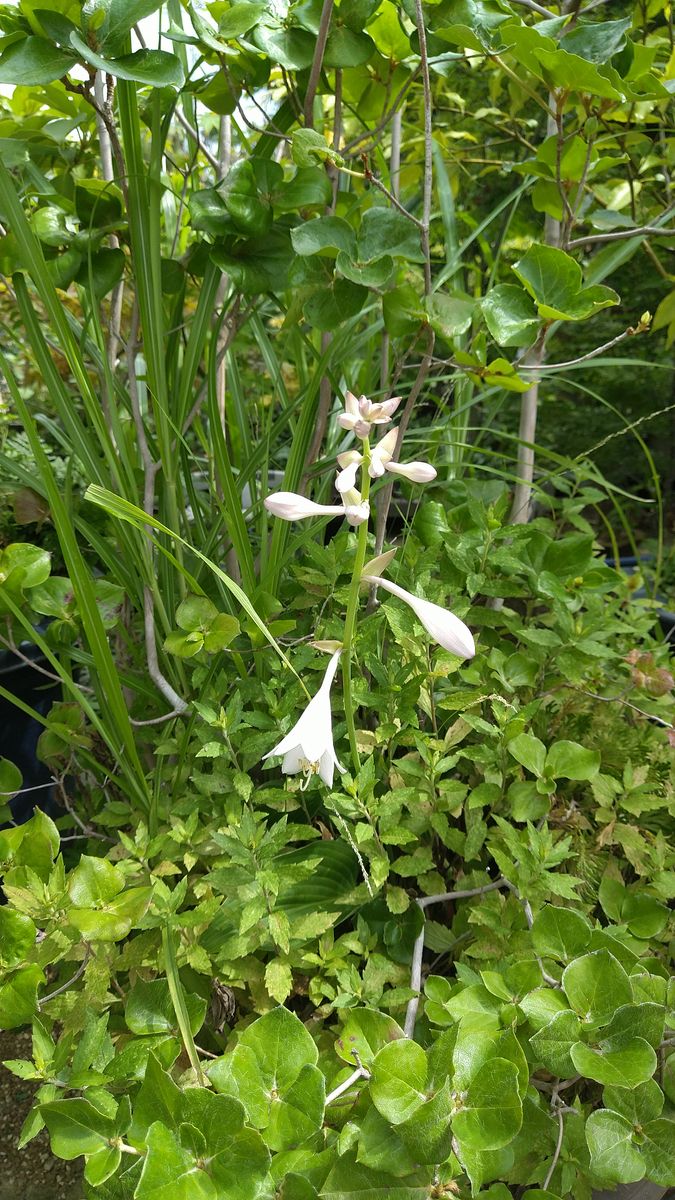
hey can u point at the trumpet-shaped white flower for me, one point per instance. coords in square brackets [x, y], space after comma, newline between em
[309, 745]
[289, 506]
[361, 413]
[441, 625]
[381, 461]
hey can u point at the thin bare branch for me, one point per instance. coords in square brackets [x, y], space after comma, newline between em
[424, 902]
[317, 62]
[64, 986]
[359, 1073]
[194, 134]
[632, 331]
[620, 235]
[558, 1148]
[427, 183]
[537, 8]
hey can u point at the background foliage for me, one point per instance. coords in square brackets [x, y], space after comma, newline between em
[239, 987]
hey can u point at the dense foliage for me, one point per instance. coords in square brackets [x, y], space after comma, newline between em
[444, 970]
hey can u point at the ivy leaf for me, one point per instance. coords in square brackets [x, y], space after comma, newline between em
[449, 316]
[630, 1063]
[170, 1172]
[658, 1151]
[554, 281]
[492, 1112]
[76, 1127]
[529, 751]
[364, 1033]
[385, 231]
[638, 1105]
[34, 62]
[510, 315]
[614, 1157]
[560, 932]
[595, 985]
[157, 68]
[17, 931]
[569, 760]
[309, 147]
[553, 1043]
[324, 235]
[398, 1079]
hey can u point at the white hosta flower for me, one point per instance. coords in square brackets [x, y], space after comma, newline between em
[381, 461]
[289, 506]
[361, 413]
[441, 625]
[309, 745]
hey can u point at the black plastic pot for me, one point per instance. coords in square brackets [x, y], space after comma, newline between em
[634, 1191]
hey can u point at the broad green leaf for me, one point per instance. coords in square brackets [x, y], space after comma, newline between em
[23, 566]
[510, 315]
[120, 17]
[34, 62]
[251, 213]
[18, 997]
[628, 1065]
[76, 1127]
[95, 881]
[595, 985]
[644, 915]
[309, 147]
[208, 212]
[347, 47]
[364, 1033]
[10, 783]
[554, 281]
[157, 68]
[638, 1105]
[427, 1132]
[239, 18]
[349, 1180]
[449, 316]
[552, 1044]
[328, 307]
[149, 1008]
[491, 1112]
[290, 47]
[170, 1172]
[385, 231]
[596, 41]
[159, 1099]
[637, 1020]
[541, 1005]
[17, 937]
[529, 751]
[310, 187]
[569, 760]
[196, 612]
[112, 921]
[560, 932]
[474, 1047]
[658, 1151]
[375, 274]
[614, 1156]
[324, 235]
[102, 1164]
[398, 1079]
[298, 1112]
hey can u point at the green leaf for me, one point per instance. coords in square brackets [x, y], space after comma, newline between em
[34, 62]
[374, 275]
[196, 612]
[644, 915]
[658, 1151]
[560, 932]
[157, 68]
[208, 212]
[120, 18]
[94, 882]
[553, 279]
[638, 1105]
[491, 1114]
[632, 1063]
[239, 18]
[427, 1133]
[102, 1164]
[76, 1127]
[644, 1020]
[552, 1044]
[596, 41]
[112, 921]
[17, 935]
[170, 1172]
[324, 235]
[310, 187]
[614, 1157]
[347, 47]
[291, 47]
[510, 315]
[18, 997]
[569, 760]
[385, 231]
[364, 1033]
[398, 1079]
[159, 1099]
[23, 566]
[297, 1114]
[595, 985]
[529, 752]
[449, 316]
[149, 1008]
[309, 147]
[350, 1180]
[328, 307]
[251, 213]
[10, 783]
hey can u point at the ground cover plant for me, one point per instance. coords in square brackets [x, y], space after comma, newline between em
[349, 870]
